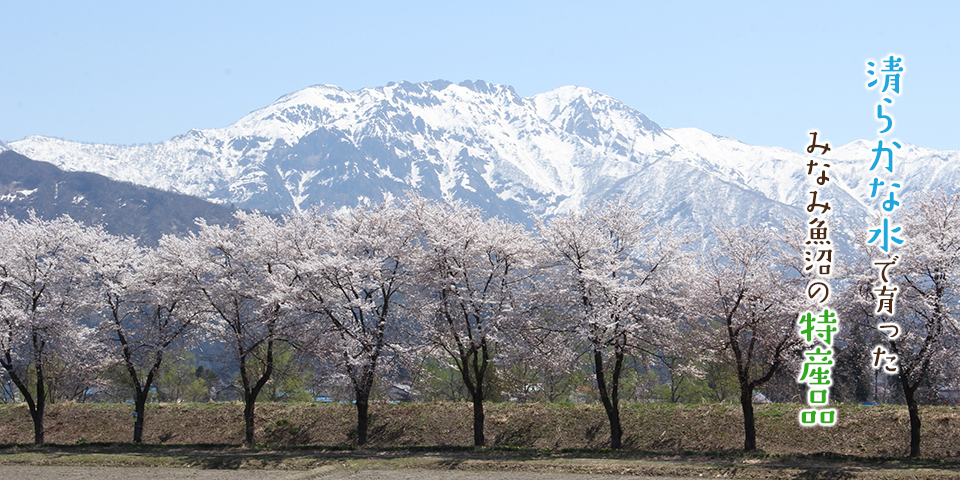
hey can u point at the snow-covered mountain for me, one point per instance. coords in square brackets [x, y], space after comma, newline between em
[513, 156]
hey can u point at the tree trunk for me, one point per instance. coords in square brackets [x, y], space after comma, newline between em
[474, 386]
[914, 410]
[363, 417]
[616, 431]
[910, 394]
[41, 399]
[248, 406]
[35, 407]
[361, 392]
[250, 393]
[139, 407]
[38, 424]
[749, 421]
[473, 364]
[610, 397]
[478, 416]
[250, 399]
[141, 394]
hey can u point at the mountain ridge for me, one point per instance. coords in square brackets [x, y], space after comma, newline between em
[515, 157]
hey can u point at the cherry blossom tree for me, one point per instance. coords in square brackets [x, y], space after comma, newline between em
[233, 268]
[474, 284]
[43, 295]
[147, 304]
[925, 272]
[748, 286]
[353, 267]
[611, 267]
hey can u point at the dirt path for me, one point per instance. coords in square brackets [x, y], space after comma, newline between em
[131, 473]
[323, 473]
[116, 462]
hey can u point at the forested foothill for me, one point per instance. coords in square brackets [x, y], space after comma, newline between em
[422, 301]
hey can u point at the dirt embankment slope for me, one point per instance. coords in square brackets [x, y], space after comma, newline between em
[666, 428]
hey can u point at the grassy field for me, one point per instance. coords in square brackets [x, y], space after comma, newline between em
[863, 432]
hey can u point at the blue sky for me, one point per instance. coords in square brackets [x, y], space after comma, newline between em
[763, 72]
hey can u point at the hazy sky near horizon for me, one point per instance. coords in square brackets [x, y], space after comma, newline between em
[762, 72]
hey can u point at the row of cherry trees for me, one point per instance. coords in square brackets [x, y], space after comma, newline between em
[365, 288]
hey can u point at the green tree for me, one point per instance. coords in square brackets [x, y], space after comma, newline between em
[181, 379]
[290, 376]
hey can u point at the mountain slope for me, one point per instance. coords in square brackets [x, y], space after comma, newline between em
[123, 208]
